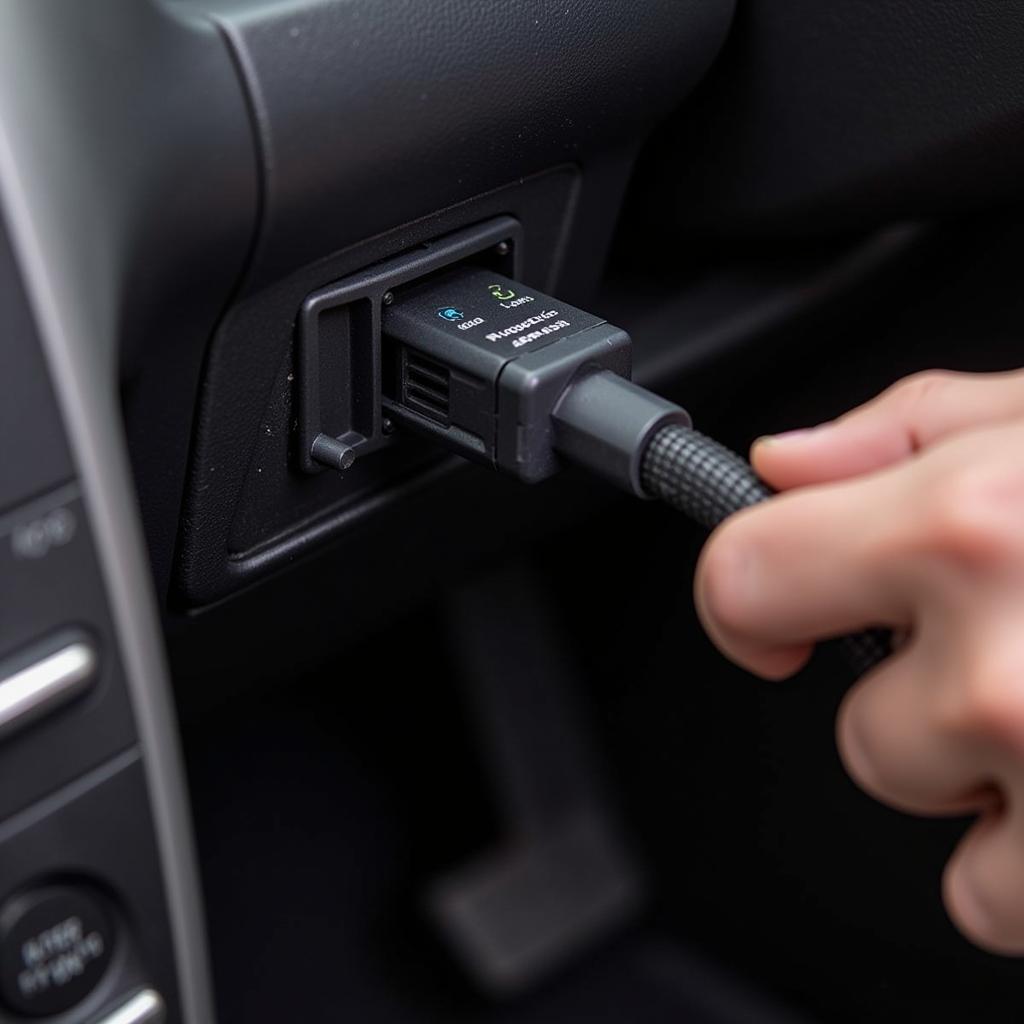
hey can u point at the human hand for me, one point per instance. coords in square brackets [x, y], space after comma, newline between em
[909, 513]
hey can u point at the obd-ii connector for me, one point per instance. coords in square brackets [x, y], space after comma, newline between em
[506, 375]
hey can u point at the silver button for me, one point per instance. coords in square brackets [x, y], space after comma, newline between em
[145, 1007]
[38, 688]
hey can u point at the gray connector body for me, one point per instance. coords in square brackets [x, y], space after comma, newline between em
[604, 422]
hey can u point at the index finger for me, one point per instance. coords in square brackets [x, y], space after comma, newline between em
[913, 414]
[807, 565]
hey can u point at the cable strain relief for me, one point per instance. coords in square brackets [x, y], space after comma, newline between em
[603, 422]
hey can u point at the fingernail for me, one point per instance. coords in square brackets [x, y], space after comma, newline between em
[792, 435]
[785, 437]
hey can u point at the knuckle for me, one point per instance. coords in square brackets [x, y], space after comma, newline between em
[861, 746]
[924, 384]
[723, 596]
[975, 514]
[991, 701]
[923, 388]
[983, 890]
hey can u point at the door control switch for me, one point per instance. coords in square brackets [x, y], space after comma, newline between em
[55, 945]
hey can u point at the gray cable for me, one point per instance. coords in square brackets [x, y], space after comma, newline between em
[708, 482]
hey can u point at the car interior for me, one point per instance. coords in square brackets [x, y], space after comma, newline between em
[310, 709]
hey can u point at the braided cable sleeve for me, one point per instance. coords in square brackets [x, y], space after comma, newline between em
[708, 482]
[698, 476]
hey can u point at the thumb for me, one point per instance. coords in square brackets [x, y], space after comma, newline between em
[911, 415]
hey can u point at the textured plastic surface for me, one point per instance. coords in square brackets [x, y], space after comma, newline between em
[381, 127]
[374, 114]
[708, 482]
[822, 116]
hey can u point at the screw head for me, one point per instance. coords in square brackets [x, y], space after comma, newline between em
[388, 298]
[386, 426]
[503, 248]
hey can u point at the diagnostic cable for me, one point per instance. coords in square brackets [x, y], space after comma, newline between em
[523, 382]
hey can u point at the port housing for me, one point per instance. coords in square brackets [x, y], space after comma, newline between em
[339, 352]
